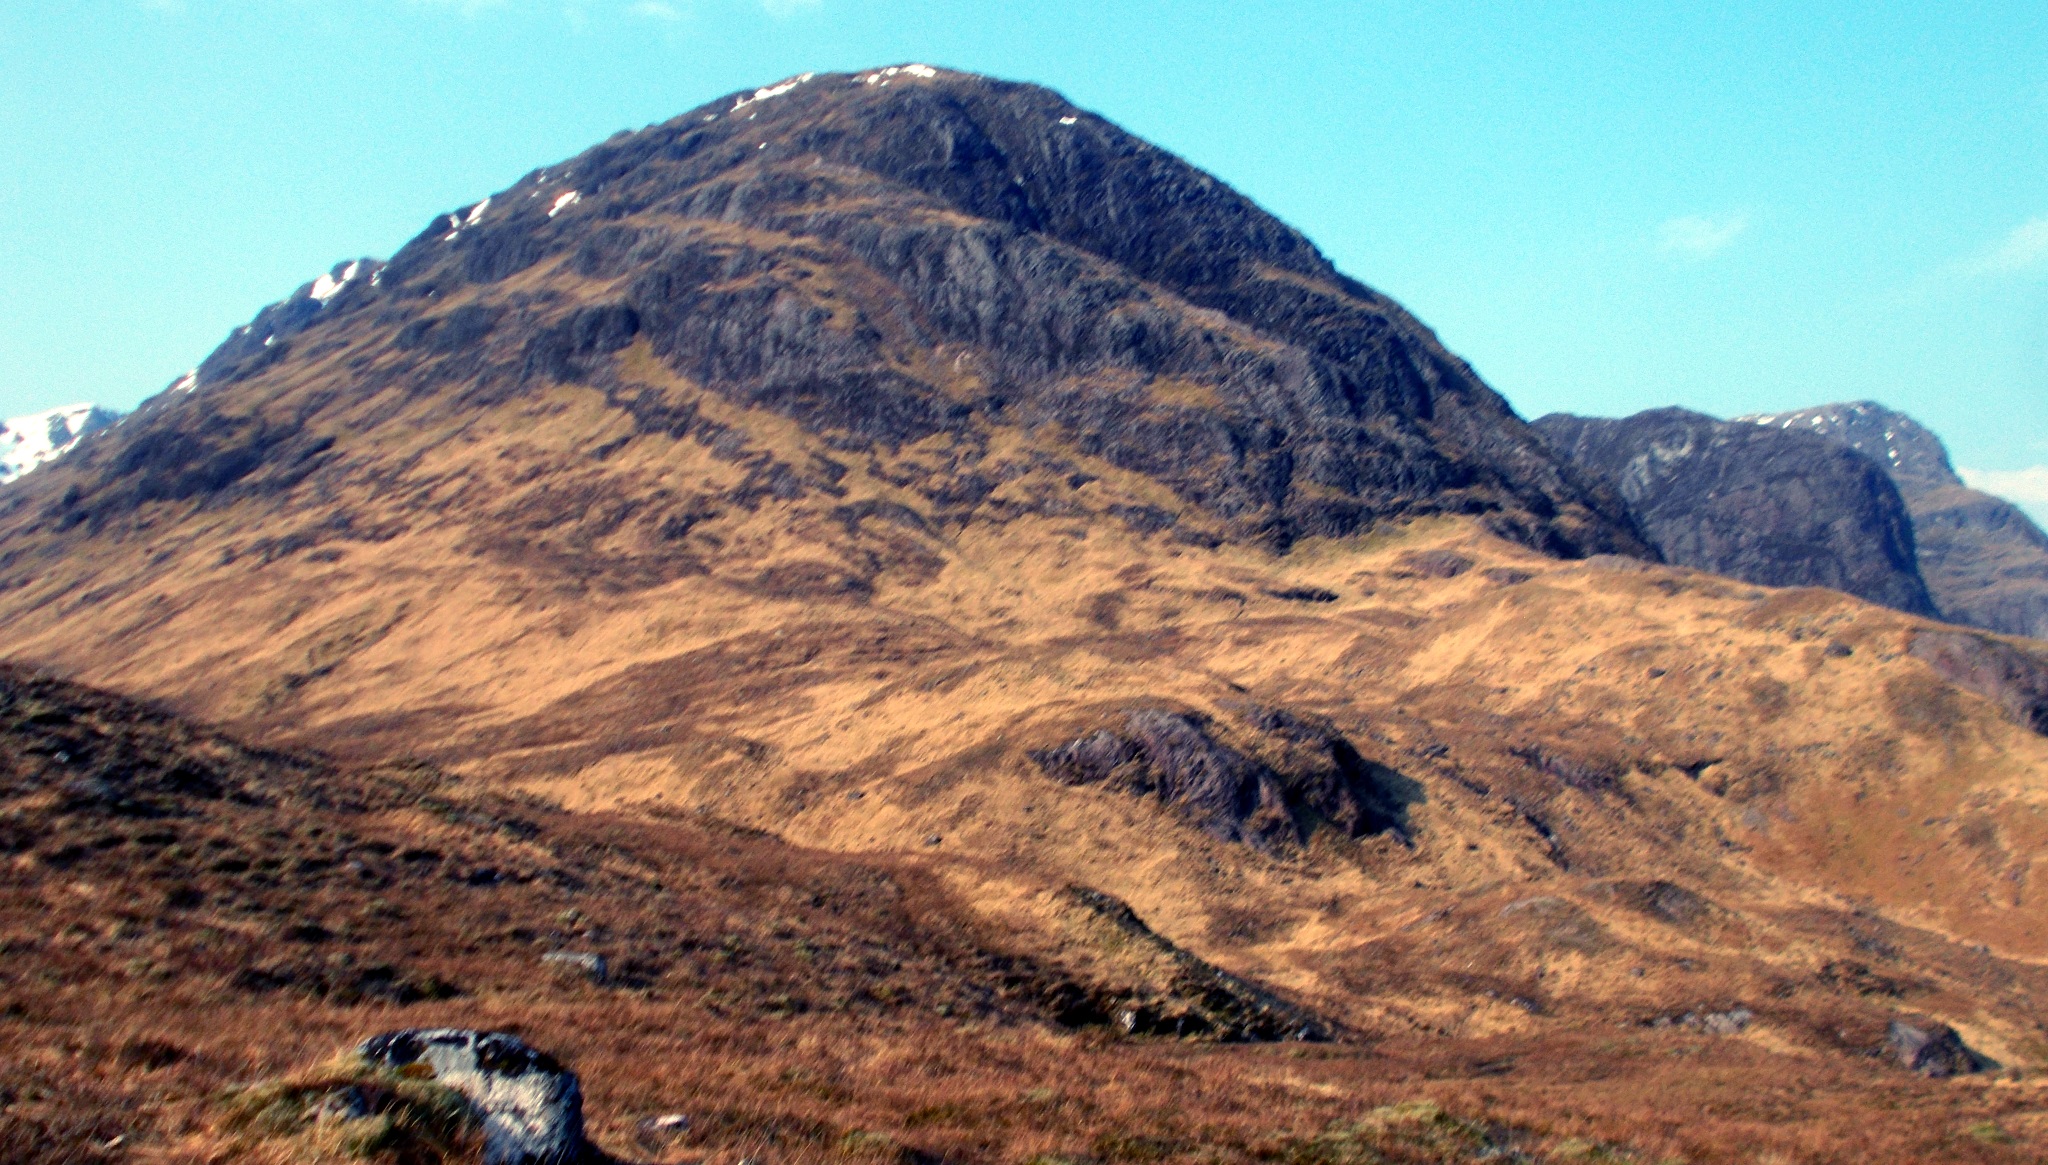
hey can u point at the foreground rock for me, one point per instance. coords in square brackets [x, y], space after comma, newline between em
[2015, 680]
[530, 1106]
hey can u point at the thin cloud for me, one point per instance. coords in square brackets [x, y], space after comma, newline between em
[2024, 251]
[2025, 488]
[1697, 236]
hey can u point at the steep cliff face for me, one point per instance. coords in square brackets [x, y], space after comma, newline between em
[1985, 561]
[1777, 506]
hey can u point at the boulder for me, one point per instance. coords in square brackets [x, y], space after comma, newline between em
[584, 964]
[530, 1106]
[2015, 680]
[1932, 1049]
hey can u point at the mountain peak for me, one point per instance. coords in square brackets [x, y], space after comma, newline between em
[911, 254]
[1908, 450]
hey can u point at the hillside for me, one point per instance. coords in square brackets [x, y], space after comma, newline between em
[1985, 561]
[184, 914]
[909, 472]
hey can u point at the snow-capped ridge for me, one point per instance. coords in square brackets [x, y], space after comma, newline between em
[29, 442]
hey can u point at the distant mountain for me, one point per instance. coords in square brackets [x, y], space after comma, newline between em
[38, 438]
[1778, 506]
[1984, 560]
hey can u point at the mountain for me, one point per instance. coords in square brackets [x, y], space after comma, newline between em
[918, 471]
[1985, 561]
[1781, 507]
[39, 438]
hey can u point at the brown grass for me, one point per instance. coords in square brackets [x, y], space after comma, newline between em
[799, 1006]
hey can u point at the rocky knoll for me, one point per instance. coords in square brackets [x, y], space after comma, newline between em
[1773, 506]
[1985, 561]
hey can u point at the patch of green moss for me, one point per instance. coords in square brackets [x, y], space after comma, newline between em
[353, 1110]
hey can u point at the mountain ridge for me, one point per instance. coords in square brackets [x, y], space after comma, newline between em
[1781, 507]
[1360, 415]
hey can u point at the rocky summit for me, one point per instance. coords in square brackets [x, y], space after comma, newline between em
[1985, 561]
[887, 619]
[1782, 507]
[896, 260]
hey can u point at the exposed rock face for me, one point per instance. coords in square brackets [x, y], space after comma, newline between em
[889, 259]
[1269, 793]
[1985, 561]
[1768, 505]
[532, 1107]
[1932, 1049]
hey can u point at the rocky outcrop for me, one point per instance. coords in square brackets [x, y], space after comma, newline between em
[1269, 783]
[1932, 1049]
[1985, 562]
[2015, 680]
[1187, 997]
[530, 1106]
[1774, 506]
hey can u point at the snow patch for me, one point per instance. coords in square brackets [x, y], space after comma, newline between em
[775, 90]
[27, 443]
[187, 382]
[881, 76]
[1068, 120]
[476, 213]
[327, 286]
[564, 202]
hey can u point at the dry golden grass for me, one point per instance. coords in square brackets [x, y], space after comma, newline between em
[1643, 792]
[800, 1006]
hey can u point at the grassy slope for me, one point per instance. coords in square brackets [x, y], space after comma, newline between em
[211, 915]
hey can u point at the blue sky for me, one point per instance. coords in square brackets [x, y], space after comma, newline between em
[1605, 209]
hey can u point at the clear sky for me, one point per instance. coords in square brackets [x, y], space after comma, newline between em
[1605, 208]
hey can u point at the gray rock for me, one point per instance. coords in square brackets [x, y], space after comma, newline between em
[1985, 561]
[659, 1132]
[531, 1107]
[1724, 1023]
[1774, 506]
[588, 964]
[1932, 1049]
[1177, 758]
